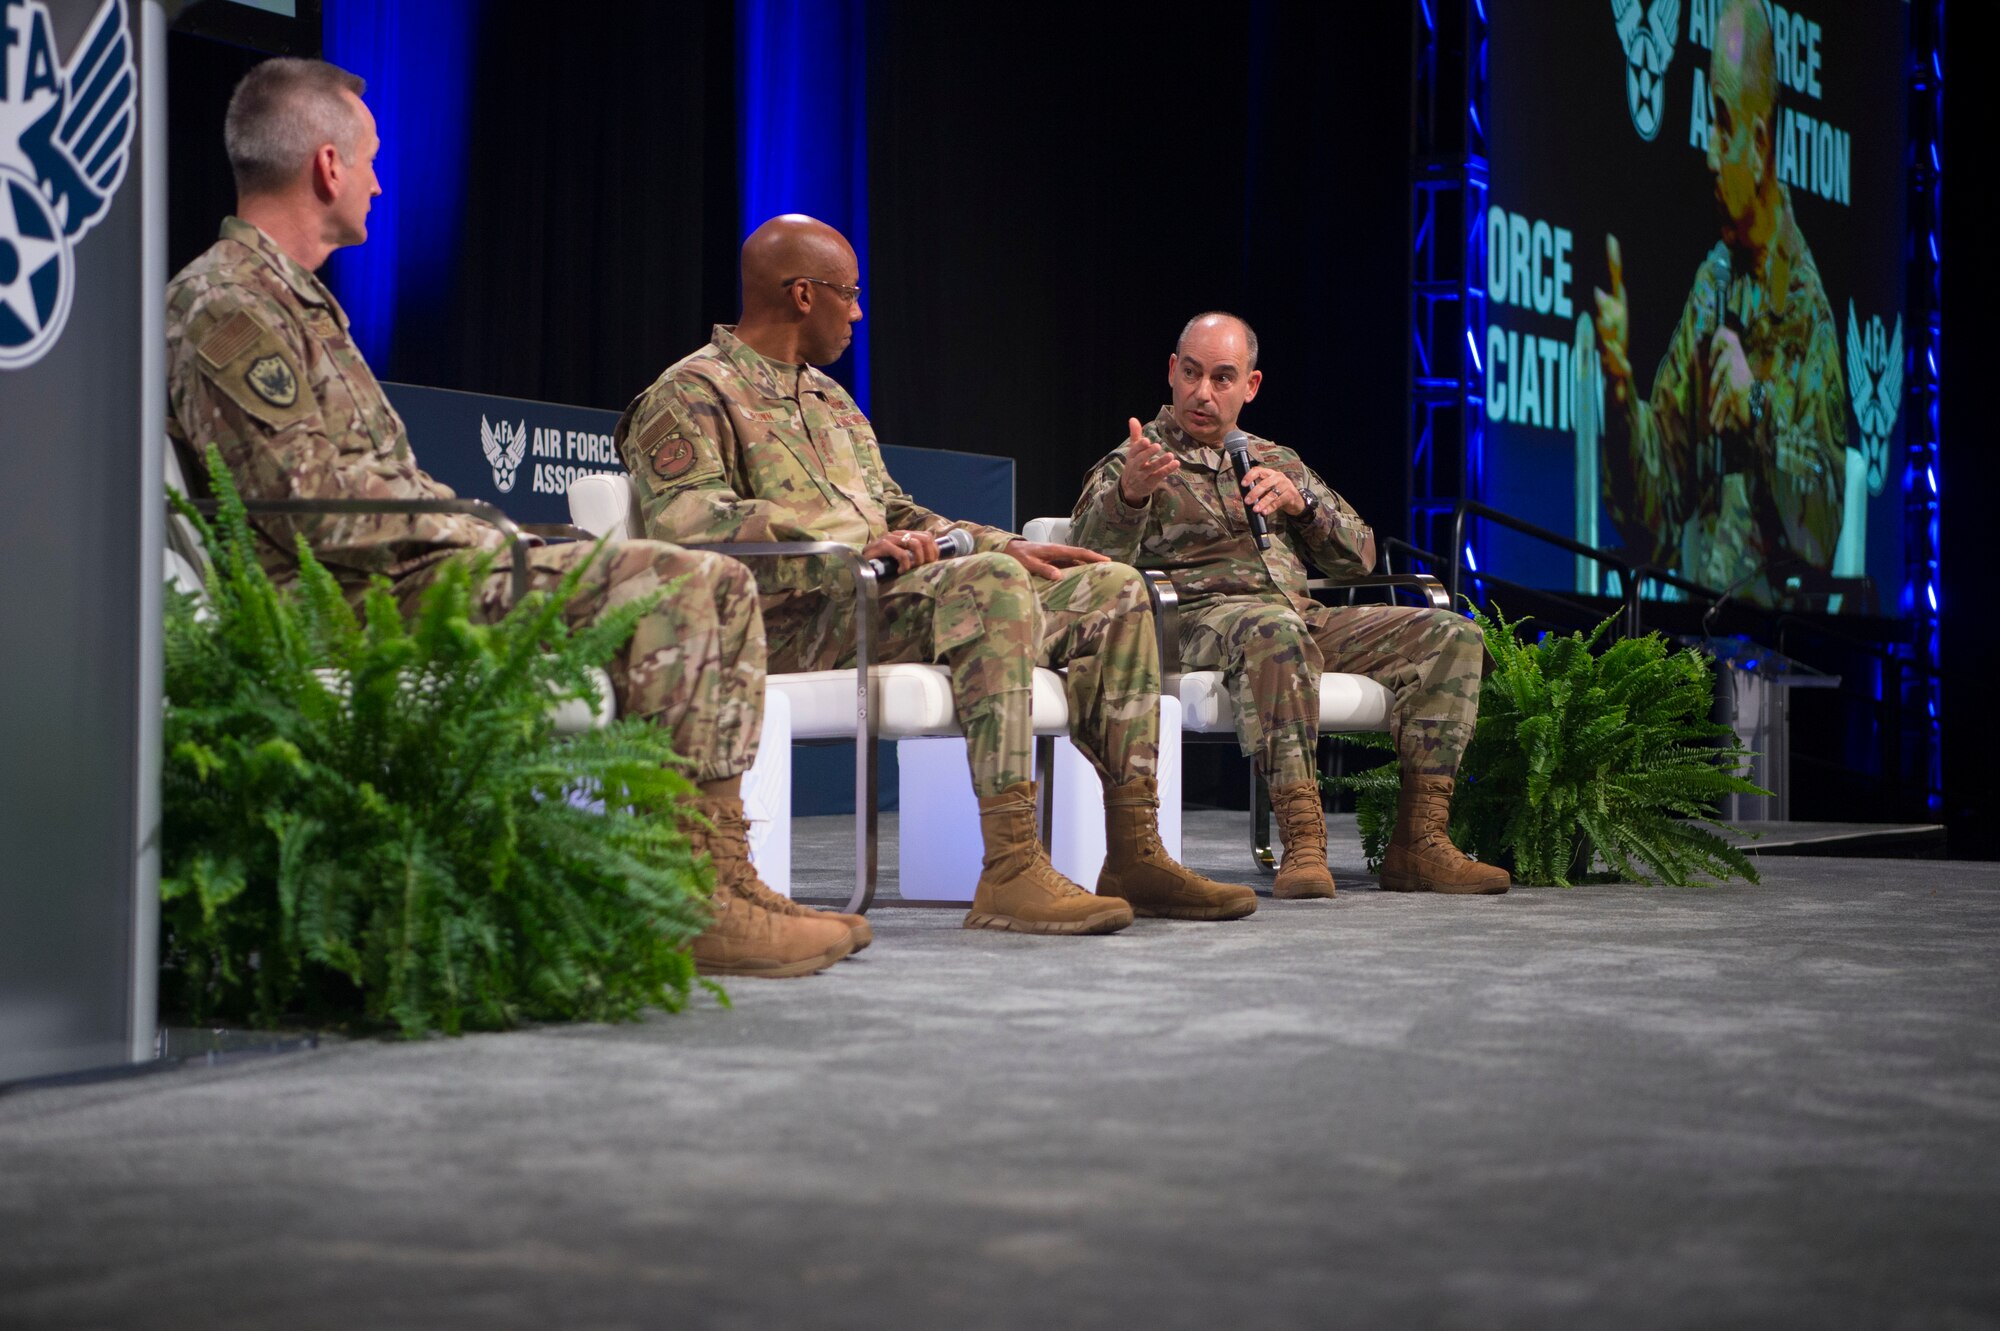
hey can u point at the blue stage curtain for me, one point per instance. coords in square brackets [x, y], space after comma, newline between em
[417, 59]
[802, 106]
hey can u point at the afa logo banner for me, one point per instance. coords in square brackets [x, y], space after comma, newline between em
[65, 138]
[1875, 384]
[1648, 35]
[518, 454]
[503, 445]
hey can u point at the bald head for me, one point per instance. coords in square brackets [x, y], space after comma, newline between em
[801, 291]
[1216, 321]
[785, 249]
[1745, 66]
[1213, 374]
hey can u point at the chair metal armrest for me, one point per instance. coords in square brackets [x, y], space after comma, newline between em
[558, 531]
[867, 718]
[1166, 599]
[476, 508]
[1432, 589]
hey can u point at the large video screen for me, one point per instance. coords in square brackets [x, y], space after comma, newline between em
[1694, 270]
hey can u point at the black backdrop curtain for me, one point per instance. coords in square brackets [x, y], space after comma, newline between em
[1052, 197]
[600, 222]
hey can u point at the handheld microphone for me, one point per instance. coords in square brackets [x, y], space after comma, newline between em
[1721, 274]
[1237, 445]
[957, 541]
[1719, 270]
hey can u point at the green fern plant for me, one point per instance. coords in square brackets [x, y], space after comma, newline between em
[1583, 755]
[370, 821]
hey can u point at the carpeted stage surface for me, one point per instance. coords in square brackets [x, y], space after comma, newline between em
[1605, 1107]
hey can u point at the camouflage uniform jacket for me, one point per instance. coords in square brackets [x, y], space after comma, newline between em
[260, 363]
[723, 450]
[1721, 509]
[1196, 529]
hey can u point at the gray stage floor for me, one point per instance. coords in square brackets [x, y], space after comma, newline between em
[1775, 1105]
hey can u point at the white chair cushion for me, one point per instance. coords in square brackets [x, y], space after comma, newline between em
[603, 505]
[1346, 702]
[915, 700]
[1052, 530]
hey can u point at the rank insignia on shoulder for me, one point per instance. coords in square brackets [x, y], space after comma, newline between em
[674, 457]
[271, 379]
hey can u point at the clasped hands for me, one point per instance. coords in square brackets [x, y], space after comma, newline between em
[1147, 466]
[913, 549]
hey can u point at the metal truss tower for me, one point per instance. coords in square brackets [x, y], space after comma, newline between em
[1448, 194]
[1922, 480]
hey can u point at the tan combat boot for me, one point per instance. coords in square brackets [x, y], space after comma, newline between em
[1019, 889]
[744, 938]
[1302, 827]
[1421, 857]
[721, 804]
[1138, 869]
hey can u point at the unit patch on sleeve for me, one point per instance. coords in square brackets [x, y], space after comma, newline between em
[674, 457]
[271, 379]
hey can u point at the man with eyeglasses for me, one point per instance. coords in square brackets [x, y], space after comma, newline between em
[746, 441]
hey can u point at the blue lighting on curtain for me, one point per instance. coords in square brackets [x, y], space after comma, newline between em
[802, 129]
[417, 59]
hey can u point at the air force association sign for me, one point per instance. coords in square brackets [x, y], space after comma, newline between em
[65, 137]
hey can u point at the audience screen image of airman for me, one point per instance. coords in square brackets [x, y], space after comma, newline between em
[1693, 358]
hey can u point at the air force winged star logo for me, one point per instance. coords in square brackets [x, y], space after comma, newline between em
[65, 139]
[504, 445]
[1649, 48]
[1875, 383]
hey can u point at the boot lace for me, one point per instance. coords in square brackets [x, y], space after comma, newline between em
[1303, 822]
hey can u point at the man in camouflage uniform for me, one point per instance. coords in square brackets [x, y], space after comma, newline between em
[1167, 498]
[1733, 471]
[745, 441]
[260, 365]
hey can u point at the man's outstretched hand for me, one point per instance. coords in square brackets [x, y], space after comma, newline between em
[1045, 559]
[1147, 466]
[1613, 324]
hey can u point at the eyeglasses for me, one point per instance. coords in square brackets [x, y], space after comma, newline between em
[846, 293]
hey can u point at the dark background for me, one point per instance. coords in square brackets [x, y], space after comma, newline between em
[1053, 192]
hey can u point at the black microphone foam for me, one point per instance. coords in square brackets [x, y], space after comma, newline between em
[1237, 445]
[956, 542]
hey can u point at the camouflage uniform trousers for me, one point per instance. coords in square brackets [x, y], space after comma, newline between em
[1273, 654]
[991, 622]
[694, 665]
